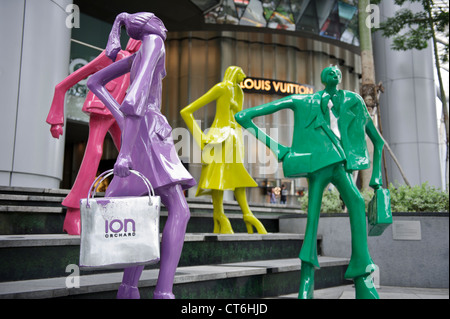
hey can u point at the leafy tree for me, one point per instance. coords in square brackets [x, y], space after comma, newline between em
[413, 30]
[370, 91]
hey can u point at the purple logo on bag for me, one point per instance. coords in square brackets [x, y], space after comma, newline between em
[119, 228]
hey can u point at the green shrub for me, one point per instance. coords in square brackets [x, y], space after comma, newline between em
[420, 198]
[331, 202]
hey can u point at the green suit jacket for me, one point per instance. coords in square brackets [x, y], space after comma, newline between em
[314, 145]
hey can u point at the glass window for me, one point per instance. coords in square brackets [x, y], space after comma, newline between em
[223, 14]
[279, 15]
[328, 18]
[254, 14]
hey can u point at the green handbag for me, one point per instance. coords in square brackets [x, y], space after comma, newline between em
[379, 213]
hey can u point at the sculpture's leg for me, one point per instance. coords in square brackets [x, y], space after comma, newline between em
[129, 287]
[306, 290]
[316, 184]
[98, 127]
[172, 239]
[222, 224]
[361, 264]
[249, 219]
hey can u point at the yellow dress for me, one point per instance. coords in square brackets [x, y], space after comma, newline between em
[222, 145]
[223, 151]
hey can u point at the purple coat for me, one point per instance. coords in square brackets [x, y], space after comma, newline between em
[147, 144]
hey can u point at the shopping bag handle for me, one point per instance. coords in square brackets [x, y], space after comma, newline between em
[105, 174]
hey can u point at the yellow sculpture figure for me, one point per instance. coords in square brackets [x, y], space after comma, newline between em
[223, 151]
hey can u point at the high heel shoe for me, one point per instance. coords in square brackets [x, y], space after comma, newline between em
[222, 225]
[365, 288]
[128, 292]
[72, 221]
[163, 295]
[250, 221]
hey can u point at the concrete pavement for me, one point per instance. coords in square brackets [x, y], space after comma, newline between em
[385, 292]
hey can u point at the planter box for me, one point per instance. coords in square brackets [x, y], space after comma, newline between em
[412, 252]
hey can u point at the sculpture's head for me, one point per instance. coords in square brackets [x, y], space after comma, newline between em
[137, 25]
[331, 76]
[234, 74]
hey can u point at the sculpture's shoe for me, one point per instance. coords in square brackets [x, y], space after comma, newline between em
[306, 290]
[222, 225]
[364, 288]
[163, 295]
[128, 292]
[250, 221]
[72, 223]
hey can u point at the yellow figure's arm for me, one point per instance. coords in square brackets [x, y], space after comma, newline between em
[188, 112]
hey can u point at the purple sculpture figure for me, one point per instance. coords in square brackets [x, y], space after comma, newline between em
[100, 122]
[147, 144]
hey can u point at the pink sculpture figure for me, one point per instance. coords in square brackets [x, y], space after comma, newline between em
[147, 144]
[100, 122]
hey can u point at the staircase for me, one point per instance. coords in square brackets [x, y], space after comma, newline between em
[38, 260]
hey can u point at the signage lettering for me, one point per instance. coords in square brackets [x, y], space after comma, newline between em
[266, 86]
[119, 228]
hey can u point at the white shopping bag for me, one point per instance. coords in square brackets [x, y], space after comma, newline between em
[119, 232]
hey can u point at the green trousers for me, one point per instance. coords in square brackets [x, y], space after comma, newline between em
[360, 262]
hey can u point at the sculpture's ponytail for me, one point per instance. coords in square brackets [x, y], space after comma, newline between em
[113, 47]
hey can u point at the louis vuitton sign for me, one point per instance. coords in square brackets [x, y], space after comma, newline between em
[266, 86]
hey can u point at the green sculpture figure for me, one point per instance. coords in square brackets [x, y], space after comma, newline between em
[328, 145]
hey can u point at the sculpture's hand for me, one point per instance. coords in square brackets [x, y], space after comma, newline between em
[111, 52]
[123, 166]
[376, 182]
[281, 151]
[56, 130]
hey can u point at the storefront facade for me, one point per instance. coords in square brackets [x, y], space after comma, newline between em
[275, 65]
[277, 59]
[282, 46]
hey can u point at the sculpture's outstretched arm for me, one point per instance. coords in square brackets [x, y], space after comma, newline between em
[245, 119]
[56, 114]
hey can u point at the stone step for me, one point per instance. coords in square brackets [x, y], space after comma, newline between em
[36, 197]
[39, 211]
[18, 220]
[31, 195]
[251, 279]
[24, 257]
[384, 292]
[25, 200]
[34, 191]
[30, 209]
